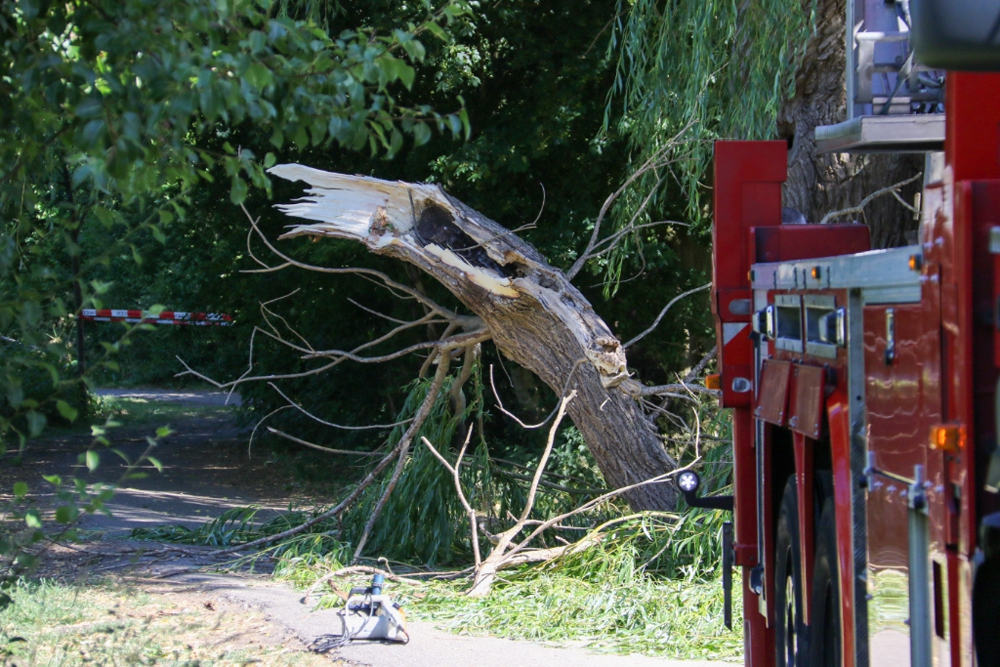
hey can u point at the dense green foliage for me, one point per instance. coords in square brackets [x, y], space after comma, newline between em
[116, 111]
[117, 116]
[691, 73]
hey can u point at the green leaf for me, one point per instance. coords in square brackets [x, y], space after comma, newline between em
[93, 460]
[238, 194]
[33, 519]
[15, 395]
[258, 75]
[36, 423]
[269, 160]
[155, 462]
[66, 514]
[67, 411]
[421, 134]
[105, 216]
[414, 49]
[406, 74]
[90, 107]
[20, 489]
[163, 432]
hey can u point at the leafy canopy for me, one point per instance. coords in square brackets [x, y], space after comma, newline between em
[114, 113]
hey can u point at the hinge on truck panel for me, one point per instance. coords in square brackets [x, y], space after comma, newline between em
[833, 328]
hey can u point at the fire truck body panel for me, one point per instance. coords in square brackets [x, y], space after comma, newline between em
[868, 377]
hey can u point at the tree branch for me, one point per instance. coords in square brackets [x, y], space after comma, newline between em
[867, 200]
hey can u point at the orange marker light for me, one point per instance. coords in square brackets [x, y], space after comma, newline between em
[948, 438]
[713, 381]
[916, 262]
[816, 273]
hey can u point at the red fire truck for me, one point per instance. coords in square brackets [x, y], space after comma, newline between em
[863, 383]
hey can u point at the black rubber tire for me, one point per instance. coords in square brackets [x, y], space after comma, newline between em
[790, 633]
[824, 644]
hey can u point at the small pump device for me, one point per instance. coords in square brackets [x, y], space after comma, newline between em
[370, 615]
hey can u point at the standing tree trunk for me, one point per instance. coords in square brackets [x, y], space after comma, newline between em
[535, 316]
[817, 183]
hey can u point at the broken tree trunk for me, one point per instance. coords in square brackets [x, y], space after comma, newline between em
[535, 316]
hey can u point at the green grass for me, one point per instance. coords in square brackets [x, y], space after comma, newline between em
[130, 411]
[644, 615]
[102, 622]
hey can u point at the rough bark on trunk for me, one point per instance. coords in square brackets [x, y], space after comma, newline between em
[818, 184]
[535, 316]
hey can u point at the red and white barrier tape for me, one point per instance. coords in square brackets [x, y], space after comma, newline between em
[164, 317]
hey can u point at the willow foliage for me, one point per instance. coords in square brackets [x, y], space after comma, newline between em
[721, 68]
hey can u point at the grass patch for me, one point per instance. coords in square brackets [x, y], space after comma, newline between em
[132, 411]
[107, 623]
[645, 615]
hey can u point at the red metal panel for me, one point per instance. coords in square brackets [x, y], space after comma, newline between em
[758, 639]
[773, 396]
[793, 242]
[805, 410]
[972, 131]
[838, 416]
[747, 193]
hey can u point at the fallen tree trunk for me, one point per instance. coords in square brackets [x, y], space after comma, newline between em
[535, 316]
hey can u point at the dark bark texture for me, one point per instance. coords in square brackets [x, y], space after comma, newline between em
[818, 184]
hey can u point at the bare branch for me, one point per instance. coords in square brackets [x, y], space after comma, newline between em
[670, 388]
[572, 490]
[659, 479]
[376, 313]
[321, 448]
[663, 312]
[569, 378]
[450, 344]
[867, 200]
[529, 504]
[611, 241]
[265, 418]
[655, 161]
[455, 473]
[486, 573]
[457, 396]
[293, 404]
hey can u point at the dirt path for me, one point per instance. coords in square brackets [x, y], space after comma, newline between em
[205, 473]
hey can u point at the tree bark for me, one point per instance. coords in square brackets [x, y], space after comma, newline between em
[535, 316]
[818, 184]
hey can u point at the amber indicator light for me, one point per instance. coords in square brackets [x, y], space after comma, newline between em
[713, 381]
[816, 273]
[916, 262]
[948, 438]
